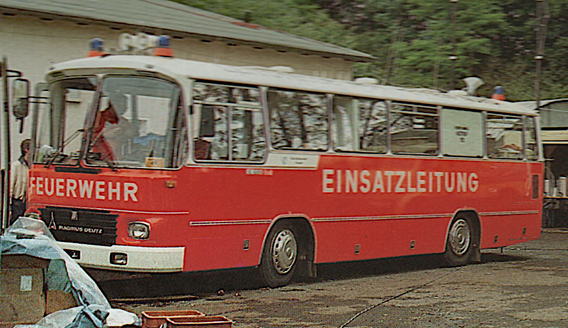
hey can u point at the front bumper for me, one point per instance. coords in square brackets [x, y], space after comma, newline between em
[139, 259]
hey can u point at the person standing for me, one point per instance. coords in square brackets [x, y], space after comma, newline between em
[19, 181]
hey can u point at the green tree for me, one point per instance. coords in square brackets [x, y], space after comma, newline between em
[300, 17]
[427, 49]
[413, 39]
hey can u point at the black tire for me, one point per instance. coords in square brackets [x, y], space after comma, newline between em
[460, 242]
[280, 255]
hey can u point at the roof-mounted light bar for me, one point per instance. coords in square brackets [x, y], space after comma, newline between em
[142, 42]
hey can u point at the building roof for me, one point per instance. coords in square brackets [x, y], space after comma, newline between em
[549, 103]
[177, 20]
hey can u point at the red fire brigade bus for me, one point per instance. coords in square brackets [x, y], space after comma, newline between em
[155, 164]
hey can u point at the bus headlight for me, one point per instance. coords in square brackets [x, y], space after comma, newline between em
[139, 230]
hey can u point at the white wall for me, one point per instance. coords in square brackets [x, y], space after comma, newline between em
[32, 44]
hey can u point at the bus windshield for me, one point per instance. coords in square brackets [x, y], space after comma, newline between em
[138, 122]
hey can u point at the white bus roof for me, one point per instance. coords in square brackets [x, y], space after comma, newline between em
[180, 69]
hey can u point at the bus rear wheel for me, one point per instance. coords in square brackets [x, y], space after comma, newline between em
[280, 255]
[460, 248]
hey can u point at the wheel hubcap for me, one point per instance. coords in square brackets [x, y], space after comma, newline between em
[284, 250]
[460, 237]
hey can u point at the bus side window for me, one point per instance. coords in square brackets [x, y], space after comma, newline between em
[202, 147]
[247, 132]
[373, 126]
[219, 144]
[504, 136]
[531, 146]
[462, 132]
[414, 129]
[298, 120]
[229, 123]
[359, 125]
[207, 128]
[345, 124]
[181, 147]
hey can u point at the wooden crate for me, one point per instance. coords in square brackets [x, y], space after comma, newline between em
[154, 319]
[204, 322]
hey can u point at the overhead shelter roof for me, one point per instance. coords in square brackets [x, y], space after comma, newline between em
[178, 20]
[549, 103]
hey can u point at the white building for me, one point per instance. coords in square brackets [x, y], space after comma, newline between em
[35, 34]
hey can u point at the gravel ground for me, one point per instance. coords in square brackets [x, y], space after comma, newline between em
[521, 286]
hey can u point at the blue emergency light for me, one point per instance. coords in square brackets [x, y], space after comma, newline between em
[163, 49]
[96, 47]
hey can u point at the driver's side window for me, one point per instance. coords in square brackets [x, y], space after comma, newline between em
[61, 126]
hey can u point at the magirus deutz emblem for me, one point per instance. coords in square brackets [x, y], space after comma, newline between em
[52, 224]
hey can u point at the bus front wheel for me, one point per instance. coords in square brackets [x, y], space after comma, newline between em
[280, 255]
[460, 248]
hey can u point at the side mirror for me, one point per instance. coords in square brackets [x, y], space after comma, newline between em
[20, 98]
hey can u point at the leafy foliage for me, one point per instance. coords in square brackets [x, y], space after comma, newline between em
[413, 40]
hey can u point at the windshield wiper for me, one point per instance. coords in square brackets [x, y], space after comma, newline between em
[59, 151]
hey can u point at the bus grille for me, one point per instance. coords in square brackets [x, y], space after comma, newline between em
[80, 226]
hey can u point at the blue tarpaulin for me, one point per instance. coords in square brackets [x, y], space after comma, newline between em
[31, 237]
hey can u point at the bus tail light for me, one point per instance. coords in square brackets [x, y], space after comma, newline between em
[535, 186]
[139, 230]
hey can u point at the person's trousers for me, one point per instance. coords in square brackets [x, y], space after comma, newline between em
[18, 208]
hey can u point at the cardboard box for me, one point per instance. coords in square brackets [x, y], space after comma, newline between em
[56, 300]
[22, 296]
[13, 261]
